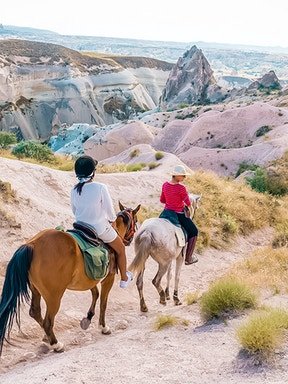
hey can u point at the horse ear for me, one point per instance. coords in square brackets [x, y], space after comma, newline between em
[136, 209]
[121, 206]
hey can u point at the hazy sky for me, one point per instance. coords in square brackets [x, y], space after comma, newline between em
[225, 21]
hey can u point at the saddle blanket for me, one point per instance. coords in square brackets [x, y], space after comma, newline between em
[96, 258]
[180, 236]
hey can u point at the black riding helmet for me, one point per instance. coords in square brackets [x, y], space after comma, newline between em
[84, 166]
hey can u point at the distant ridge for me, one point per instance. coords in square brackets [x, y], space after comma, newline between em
[249, 62]
[26, 31]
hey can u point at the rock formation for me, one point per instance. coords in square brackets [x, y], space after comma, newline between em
[267, 82]
[43, 86]
[190, 81]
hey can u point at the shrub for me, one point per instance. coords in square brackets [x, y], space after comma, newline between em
[263, 332]
[135, 167]
[260, 180]
[183, 105]
[159, 155]
[225, 297]
[246, 167]
[31, 149]
[6, 139]
[6, 192]
[263, 130]
[192, 297]
[153, 165]
[134, 153]
[164, 321]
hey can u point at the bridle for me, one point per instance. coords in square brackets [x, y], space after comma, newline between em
[129, 219]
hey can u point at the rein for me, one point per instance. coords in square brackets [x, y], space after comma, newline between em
[131, 225]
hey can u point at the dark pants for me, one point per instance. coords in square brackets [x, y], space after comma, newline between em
[188, 225]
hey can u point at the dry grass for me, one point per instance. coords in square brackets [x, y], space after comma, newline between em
[62, 163]
[165, 321]
[265, 268]
[229, 208]
[192, 297]
[7, 197]
[147, 213]
[263, 332]
[226, 297]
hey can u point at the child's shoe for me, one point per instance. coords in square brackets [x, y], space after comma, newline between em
[123, 283]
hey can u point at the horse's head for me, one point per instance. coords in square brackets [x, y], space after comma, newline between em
[195, 201]
[126, 223]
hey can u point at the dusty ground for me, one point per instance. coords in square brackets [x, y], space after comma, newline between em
[134, 352]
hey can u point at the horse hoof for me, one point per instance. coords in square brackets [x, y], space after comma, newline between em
[45, 339]
[178, 303]
[58, 347]
[163, 302]
[84, 323]
[106, 330]
[144, 309]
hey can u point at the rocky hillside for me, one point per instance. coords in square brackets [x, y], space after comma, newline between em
[45, 85]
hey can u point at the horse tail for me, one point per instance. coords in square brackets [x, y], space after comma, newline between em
[15, 290]
[143, 242]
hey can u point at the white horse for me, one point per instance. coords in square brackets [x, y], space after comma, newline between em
[160, 239]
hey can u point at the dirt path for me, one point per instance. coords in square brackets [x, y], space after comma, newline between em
[193, 353]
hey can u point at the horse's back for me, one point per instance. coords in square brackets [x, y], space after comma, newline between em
[158, 226]
[57, 260]
[161, 231]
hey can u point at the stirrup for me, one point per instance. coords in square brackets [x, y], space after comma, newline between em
[193, 261]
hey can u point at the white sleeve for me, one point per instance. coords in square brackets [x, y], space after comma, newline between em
[108, 204]
[72, 202]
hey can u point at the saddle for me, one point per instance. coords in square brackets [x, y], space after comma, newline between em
[87, 232]
[180, 232]
[99, 258]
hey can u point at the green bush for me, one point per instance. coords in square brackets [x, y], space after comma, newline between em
[6, 139]
[263, 130]
[263, 332]
[135, 167]
[134, 153]
[246, 167]
[225, 297]
[34, 150]
[260, 180]
[159, 155]
[153, 165]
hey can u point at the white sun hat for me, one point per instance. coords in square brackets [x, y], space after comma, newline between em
[180, 170]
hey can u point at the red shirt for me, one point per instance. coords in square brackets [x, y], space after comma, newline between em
[174, 196]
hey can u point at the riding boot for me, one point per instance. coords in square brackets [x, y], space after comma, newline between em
[189, 258]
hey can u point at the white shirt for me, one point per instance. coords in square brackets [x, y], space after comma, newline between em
[94, 206]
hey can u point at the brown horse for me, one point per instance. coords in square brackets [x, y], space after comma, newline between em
[48, 264]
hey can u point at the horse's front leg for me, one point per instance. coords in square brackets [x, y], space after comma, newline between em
[157, 282]
[167, 293]
[106, 286]
[179, 262]
[86, 321]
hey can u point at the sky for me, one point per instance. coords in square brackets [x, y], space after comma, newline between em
[252, 22]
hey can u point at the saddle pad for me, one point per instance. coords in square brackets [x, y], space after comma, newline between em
[96, 259]
[180, 236]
